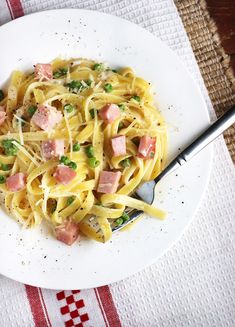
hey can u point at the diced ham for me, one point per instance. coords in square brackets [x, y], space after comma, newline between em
[2, 117]
[118, 144]
[46, 117]
[52, 148]
[43, 72]
[146, 147]
[108, 181]
[16, 182]
[2, 108]
[67, 232]
[64, 175]
[109, 113]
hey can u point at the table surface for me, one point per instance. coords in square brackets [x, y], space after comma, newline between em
[223, 12]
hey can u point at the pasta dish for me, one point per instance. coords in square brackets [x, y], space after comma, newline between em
[76, 139]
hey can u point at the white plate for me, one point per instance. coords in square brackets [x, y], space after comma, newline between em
[34, 256]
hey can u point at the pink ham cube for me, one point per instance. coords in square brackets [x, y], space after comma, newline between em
[46, 117]
[109, 113]
[108, 181]
[43, 72]
[146, 147]
[52, 148]
[2, 117]
[64, 175]
[67, 232]
[118, 144]
[16, 182]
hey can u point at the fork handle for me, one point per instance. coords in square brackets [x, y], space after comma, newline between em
[215, 129]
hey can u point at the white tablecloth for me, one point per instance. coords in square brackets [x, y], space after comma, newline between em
[193, 284]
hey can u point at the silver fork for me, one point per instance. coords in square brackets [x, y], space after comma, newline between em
[146, 192]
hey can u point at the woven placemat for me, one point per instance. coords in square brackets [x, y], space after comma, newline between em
[213, 62]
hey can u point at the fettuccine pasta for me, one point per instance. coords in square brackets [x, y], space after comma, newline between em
[76, 139]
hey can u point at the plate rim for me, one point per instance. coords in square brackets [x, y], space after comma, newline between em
[210, 147]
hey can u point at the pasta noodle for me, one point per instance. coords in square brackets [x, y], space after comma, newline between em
[79, 89]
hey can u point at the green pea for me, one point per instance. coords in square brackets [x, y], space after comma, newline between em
[125, 217]
[32, 110]
[70, 200]
[108, 87]
[60, 72]
[5, 167]
[2, 179]
[73, 165]
[125, 163]
[76, 147]
[98, 66]
[10, 148]
[75, 86]
[69, 108]
[136, 98]
[64, 160]
[119, 221]
[93, 162]
[90, 151]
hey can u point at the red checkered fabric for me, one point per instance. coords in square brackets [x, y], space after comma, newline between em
[72, 308]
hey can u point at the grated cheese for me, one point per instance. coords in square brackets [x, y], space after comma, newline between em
[44, 201]
[69, 134]
[97, 85]
[83, 83]
[104, 75]
[91, 77]
[58, 81]
[25, 152]
[68, 77]
[39, 157]
[21, 134]
[38, 202]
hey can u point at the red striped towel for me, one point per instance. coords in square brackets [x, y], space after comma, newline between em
[191, 285]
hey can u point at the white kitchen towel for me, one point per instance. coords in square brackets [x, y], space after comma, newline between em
[193, 284]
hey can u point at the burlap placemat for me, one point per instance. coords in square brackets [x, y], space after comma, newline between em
[212, 60]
